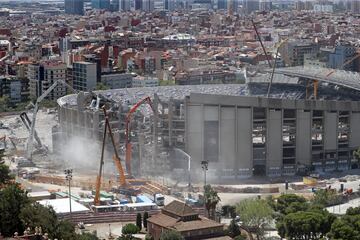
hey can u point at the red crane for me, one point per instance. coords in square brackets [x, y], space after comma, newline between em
[128, 131]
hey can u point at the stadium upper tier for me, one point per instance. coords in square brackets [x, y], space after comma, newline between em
[278, 90]
[333, 76]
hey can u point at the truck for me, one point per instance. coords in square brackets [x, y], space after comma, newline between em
[159, 199]
[156, 198]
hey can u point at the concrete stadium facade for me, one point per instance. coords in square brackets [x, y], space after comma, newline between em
[240, 136]
[246, 136]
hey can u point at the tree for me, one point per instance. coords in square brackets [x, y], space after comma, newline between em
[65, 230]
[5, 176]
[12, 200]
[171, 235]
[130, 229]
[346, 227]
[138, 221]
[356, 154]
[307, 225]
[4, 102]
[289, 200]
[211, 199]
[233, 229]
[36, 215]
[255, 214]
[101, 86]
[326, 197]
[145, 217]
[86, 236]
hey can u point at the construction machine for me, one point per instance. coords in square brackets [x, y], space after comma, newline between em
[27, 123]
[116, 158]
[29, 146]
[128, 145]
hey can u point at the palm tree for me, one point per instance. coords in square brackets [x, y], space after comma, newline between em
[211, 199]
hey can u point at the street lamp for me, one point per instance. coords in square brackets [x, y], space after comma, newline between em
[204, 165]
[189, 162]
[68, 176]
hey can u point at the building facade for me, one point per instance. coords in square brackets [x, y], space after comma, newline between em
[125, 5]
[42, 75]
[117, 80]
[340, 57]
[84, 76]
[75, 7]
[247, 136]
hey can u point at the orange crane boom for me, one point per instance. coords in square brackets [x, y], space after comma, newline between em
[116, 159]
[128, 130]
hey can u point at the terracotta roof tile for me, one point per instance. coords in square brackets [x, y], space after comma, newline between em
[179, 208]
[162, 220]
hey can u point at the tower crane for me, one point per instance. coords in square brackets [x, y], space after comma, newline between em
[29, 146]
[116, 159]
[128, 146]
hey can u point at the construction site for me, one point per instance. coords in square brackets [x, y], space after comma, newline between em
[131, 150]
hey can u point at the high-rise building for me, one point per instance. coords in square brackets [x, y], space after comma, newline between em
[250, 6]
[222, 4]
[101, 4]
[293, 52]
[147, 5]
[75, 7]
[138, 4]
[169, 5]
[355, 6]
[115, 5]
[42, 75]
[84, 76]
[342, 53]
[299, 5]
[265, 5]
[125, 5]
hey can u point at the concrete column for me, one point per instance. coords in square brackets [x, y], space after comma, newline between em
[274, 142]
[228, 140]
[303, 137]
[95, 127]
[170, 119]
[244, 162]
[354, 130]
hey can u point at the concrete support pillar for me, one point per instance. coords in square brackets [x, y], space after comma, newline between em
[95, 128]
[155, 129]
[170, 119]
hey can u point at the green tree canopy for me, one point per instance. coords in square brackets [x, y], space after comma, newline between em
[171, 235]
[12, 200]
[138, 221]
[255, 214]
[35, 215]
[307, 225]
[87, 236]
[211, 199]
[101, 86]
[5, 176]
[326, 197]
[289, 200]
[145, 217]
[130, 229]
[233, 229]
[346, 227]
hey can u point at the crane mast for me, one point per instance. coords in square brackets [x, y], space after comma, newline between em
[29, 146]
[128, 145]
